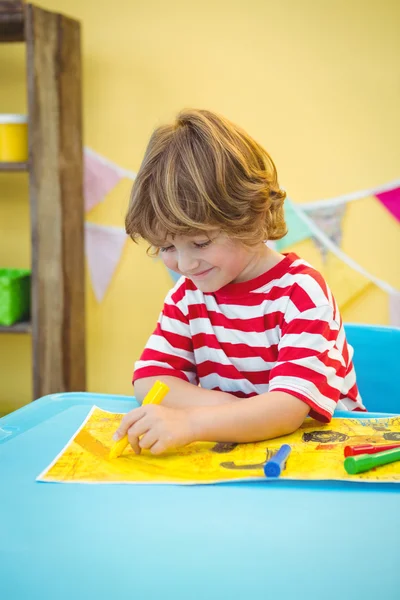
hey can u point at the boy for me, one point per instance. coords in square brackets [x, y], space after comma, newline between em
[258, 330]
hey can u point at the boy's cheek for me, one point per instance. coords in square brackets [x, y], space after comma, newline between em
[169, 261]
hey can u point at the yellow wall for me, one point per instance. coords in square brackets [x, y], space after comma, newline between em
[315, 82]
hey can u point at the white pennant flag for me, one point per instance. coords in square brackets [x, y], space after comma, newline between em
[103, 246]
[329, 220]
[394, 308]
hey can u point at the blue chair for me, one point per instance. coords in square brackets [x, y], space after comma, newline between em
[377, 364]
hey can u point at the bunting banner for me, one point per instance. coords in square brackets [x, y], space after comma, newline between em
[348, 284]
[324, 240]
[174, 276]
[100, 177]
[391, 201]
[394, 309]
[329, 220]
[297, 229]
[320, 221]
[103, 246]
[391, 186]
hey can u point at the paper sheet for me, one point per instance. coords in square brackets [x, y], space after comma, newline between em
[317, 453]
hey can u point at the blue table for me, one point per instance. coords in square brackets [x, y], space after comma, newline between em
[232, 541]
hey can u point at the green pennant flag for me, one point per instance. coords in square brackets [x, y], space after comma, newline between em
[297, 229]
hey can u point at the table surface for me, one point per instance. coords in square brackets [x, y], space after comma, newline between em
[243, 540]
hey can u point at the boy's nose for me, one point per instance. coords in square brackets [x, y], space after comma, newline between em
[187, 264]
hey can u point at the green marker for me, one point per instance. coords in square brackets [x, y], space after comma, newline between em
[365, 462]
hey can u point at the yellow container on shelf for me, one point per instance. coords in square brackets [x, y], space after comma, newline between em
[13, 138]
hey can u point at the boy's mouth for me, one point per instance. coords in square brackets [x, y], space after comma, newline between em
[202, 273]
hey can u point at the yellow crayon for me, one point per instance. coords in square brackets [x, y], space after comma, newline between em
[154, 396]
[118, 448]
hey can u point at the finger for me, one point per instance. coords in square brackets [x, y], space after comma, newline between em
[134, 442]
[139, 428]
[149, 439]
[127, 421]
[158, 448]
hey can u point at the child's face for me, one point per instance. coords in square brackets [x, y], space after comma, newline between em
[210, 262]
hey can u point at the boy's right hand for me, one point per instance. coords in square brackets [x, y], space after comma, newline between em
[156, 428]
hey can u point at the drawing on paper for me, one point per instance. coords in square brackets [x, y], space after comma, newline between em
[85, 457]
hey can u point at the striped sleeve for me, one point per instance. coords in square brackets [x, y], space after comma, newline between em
[169, 350]
[310, 365]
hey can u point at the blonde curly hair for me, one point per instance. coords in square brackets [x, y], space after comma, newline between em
[204, 172]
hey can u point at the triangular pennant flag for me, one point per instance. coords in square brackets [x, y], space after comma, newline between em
[394, 309]
[175, 276]
[391, 201]
[345, 282]
[103, 245]
[297, 229]
[100, 177]
[329, 220]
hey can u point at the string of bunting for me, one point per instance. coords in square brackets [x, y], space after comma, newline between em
[321, 221]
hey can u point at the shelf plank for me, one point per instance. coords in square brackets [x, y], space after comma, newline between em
[13, 166]
[22, 327]
[56, 202]
[12, 21]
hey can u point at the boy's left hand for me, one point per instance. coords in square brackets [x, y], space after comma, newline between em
[162, 428]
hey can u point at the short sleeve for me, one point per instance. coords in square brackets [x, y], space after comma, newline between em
[169, 350]
[310, 365]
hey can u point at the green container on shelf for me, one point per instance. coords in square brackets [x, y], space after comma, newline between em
[15, 295]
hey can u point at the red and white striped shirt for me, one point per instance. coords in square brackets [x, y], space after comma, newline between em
[281, 331]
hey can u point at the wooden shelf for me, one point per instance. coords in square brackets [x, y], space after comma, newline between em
[56, 207]
[22, 327]
[13, 166]
[12, 21]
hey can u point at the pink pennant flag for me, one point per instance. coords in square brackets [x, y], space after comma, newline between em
[100, 177]
[391, 201]
[394, 308]
[103, 245]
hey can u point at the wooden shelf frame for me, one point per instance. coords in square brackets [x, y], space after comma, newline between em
[22, 327]
[12, 21]
[13, 166]
[55, 168]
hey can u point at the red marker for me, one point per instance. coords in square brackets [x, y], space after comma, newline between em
[368, 449]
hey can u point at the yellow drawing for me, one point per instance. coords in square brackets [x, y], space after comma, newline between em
[317, 453]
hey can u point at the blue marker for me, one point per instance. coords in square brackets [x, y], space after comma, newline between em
[275, 466]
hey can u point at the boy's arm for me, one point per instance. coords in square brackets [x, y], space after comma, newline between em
[160, 428]
[258, 418]
[183, 394]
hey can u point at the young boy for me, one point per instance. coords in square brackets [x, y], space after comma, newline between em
[259, 331]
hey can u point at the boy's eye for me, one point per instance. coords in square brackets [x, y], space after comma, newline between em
[202, 244]
[166, 249]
